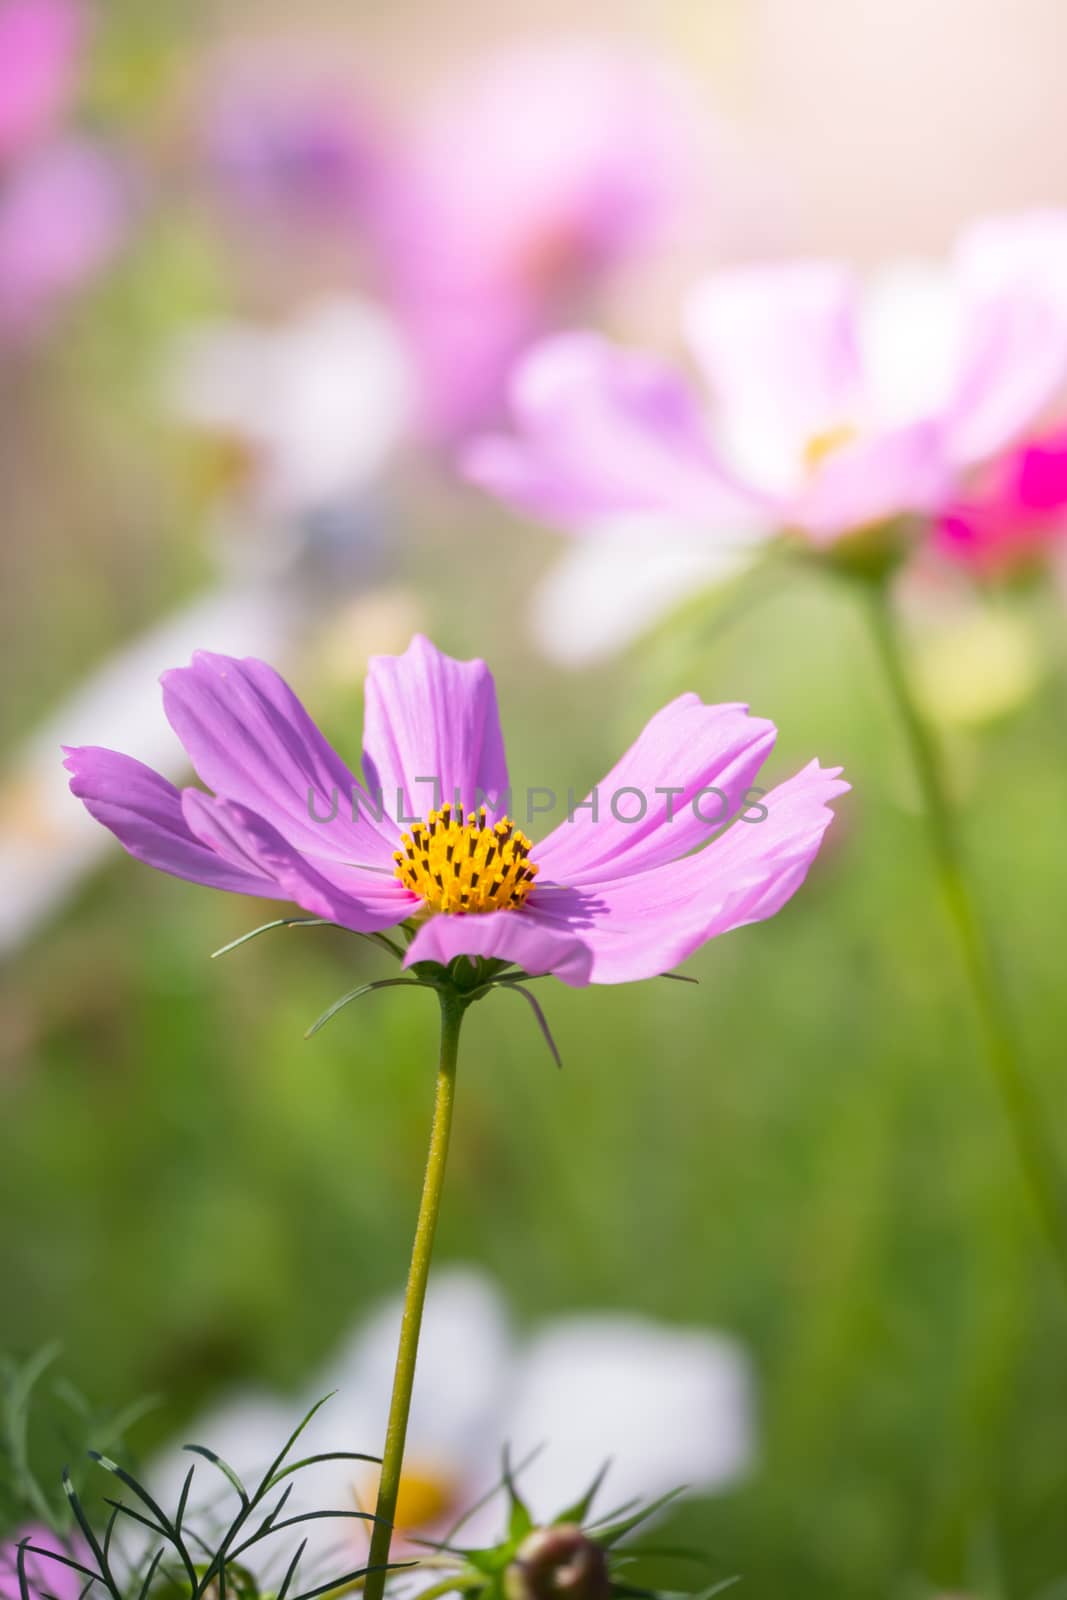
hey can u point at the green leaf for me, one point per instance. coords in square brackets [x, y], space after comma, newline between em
[271, 1476]
[581, 1508]
[491, 1560]
[20, 1563]
[291, 1571]
[90, 1537]
[54, 1555]
[162, 1525]
[268, 1524]
[15, 1416]
[328, 1455]
[183, 1498]
[520, 1522]
[224, 1467]
[353, 1577]
[669, 1552]
[150, 1574]
[610, 1535]
[292, 1522]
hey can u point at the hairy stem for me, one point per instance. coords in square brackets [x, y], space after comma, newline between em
[991, 1002]
[452, 1008]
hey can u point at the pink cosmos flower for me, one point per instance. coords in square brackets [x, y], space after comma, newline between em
[292, 144]
[831, 412]
[491, 217]
[62, 217]
[531, 178]
[62, 200]
[1015, 514]
[600, 900]
[43, 1576]
[39, 47]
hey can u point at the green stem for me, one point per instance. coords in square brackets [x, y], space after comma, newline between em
[452, 1009]
[991, 1002]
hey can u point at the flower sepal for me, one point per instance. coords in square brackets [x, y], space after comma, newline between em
[573, 1557]
[872, 553]
[469, 978]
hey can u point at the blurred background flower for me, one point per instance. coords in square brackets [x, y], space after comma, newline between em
[64, 196]
[482, 221]
[662, 1407]
[42, 1576]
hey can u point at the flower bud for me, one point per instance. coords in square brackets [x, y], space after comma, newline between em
[558, 1563]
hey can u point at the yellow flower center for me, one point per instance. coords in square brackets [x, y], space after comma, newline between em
[427, 1495]
[827, 443]
[459, 866]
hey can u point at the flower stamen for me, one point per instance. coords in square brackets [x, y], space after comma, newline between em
[823, 445]
[467, 866]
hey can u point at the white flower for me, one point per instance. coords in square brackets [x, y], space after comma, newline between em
[612, 587]
[667, 1407]
[317, 406]
[47, 844]
[319, 402]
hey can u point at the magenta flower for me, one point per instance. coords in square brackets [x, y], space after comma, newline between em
[39, 47]
[43, 1576]
[1015, 514]
[831, 412]
[615, 892]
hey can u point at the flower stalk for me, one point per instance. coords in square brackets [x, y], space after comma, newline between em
[453, 1005]
[991, 1001]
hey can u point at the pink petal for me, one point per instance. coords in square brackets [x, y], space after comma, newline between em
[62, 217]
[431, 731]
[252, 741]
[640, 926]
[778, 346]
[873, 480]
[145, 814]
[365, 901]
[602, 432]
[1015, 511]
[39, 46]
[504, 936]
[503, 218]
[1013, 360]
[687, 746]
[43, 1576]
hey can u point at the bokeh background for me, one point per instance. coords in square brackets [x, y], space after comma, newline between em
[803, 1151]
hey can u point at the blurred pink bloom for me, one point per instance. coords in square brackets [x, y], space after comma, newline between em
[62, 201]
[62, 217]
[287, 143]
[39, 46]
[490, 220]
[833, 412]
[1015, 513]
[43, 1576]
[533, 176]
